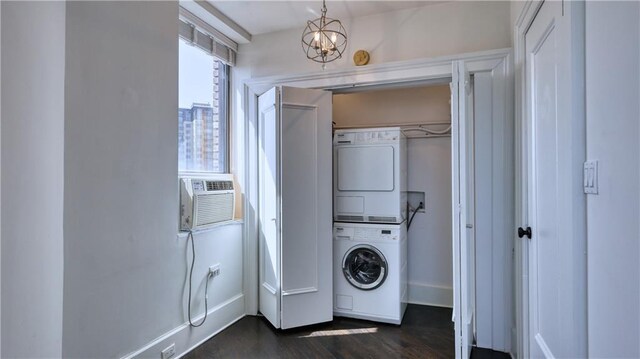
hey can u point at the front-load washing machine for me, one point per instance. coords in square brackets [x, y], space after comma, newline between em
[370, 271]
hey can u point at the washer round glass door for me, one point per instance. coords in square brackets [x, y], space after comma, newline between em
[364, 267]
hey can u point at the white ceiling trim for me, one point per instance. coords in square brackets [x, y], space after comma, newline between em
[188, 17]
[215, 19]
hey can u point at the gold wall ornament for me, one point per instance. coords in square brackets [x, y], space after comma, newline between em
[361, 58]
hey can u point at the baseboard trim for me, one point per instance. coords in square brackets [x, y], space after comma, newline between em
[425, 294]
[185, 339]
[514, 343]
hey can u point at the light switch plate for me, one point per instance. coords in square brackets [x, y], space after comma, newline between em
[591, 177]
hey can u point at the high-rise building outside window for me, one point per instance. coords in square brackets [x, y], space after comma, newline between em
[203, 116]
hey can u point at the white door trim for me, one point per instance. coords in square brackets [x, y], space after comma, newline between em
[497, 61]
[383, 74]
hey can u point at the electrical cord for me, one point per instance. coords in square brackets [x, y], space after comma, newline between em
[428, 131]
[206, 288]
[420, 206]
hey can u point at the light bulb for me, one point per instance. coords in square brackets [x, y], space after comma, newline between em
[316, 40]
[324, 41]
[334, 38]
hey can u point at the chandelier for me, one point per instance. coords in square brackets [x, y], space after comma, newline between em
[324, 39]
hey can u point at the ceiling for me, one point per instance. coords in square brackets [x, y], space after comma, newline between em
[259, 17]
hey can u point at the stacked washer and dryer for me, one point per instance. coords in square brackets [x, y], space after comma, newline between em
[369, 231]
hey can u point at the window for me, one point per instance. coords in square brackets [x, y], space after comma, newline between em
[203, 116]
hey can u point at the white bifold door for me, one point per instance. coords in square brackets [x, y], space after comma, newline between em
[295, 206]
[462, 191]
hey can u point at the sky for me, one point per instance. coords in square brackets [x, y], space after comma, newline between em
[195, 81]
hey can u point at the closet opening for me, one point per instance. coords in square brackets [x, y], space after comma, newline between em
[456, 126]
[422, 110]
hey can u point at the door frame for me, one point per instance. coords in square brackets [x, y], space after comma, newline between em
[498, 62]
[523, 23]
[521, 267]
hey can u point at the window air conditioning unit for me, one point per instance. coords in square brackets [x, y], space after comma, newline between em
[206, 201]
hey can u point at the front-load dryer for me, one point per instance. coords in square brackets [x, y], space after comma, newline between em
[370, 175]
[370, 271]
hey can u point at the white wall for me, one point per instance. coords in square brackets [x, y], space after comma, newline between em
[430, 257]
[32, 178]
[613, 127]
[0, 183]
[393, 106]
[430, 31]
[125, 268]
[429, 171]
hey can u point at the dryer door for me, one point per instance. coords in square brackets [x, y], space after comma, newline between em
[364, 267]
[365, 168]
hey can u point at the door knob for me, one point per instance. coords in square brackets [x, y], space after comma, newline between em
[524, 232]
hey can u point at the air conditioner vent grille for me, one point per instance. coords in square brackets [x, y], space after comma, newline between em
[214, 208]
[219, 185]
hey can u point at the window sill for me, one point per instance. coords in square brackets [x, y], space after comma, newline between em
[184, 234]
[204, 174]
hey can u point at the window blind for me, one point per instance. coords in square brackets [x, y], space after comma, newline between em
[205, 40]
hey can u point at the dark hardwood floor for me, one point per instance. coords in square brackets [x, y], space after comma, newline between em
[481, 353]
[426, 332]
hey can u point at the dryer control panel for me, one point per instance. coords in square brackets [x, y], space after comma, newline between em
[371, 234]
[372, 136]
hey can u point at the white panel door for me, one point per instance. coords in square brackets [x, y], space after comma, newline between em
[463, 248]
[295, 150]
[306, 152]
[269, 206]
[556, 324]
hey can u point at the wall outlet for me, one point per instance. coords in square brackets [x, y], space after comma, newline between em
[214, 270]
[168, 352]
[414, 198]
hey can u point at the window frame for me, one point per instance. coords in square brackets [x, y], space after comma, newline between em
[224, 114]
